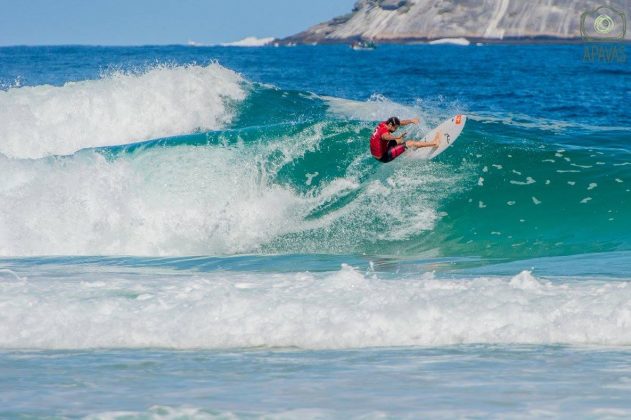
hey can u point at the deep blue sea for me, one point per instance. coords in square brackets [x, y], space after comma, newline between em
[201, 232]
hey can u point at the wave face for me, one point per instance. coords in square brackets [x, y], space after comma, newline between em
[339, 309]
[119, 108]
[289, 172]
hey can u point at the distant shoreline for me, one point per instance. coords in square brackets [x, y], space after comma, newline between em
[473, 40]
[329, 42]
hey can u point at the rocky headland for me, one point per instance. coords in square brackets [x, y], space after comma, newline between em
[408, 21]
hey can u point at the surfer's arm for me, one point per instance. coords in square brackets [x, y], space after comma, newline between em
[408, 122]
[388, 137]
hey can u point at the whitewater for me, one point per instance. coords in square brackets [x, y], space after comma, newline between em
[333, 310]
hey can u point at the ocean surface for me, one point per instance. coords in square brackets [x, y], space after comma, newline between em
[201, 232]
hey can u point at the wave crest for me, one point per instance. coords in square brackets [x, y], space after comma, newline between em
[119, 108]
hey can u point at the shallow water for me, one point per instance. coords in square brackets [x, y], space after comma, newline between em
[464, 380]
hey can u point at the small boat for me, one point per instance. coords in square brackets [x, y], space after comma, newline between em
[363, 45]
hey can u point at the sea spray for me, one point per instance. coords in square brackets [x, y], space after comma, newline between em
[119, 108]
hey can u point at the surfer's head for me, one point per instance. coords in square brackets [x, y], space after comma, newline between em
[393, 123]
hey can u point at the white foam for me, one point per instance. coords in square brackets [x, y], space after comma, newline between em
[526, 121]
[451, 41]
[377, 108]
[529, 180]
[177, 201]
[117, 109]
[163, 412]
[208, 200]
[342, 309]
[310, 177]
[250, 41]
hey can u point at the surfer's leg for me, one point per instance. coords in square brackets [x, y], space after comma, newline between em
[396, 151]
[393, 152]
[416, 144]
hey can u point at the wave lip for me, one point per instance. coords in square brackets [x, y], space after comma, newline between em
[342, 309]
[119, 108]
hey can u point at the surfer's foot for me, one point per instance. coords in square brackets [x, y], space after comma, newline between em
[433, 143]
[436, 140]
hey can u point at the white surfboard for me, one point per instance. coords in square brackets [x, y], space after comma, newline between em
[448, 130]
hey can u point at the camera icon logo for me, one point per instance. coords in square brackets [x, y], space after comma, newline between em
[603, 24]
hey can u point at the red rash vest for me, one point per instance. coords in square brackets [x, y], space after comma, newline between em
[379, 146]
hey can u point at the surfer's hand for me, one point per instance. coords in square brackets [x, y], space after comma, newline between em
[403, 135]
[414, 121]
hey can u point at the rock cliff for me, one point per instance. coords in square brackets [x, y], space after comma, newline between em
[490, 20]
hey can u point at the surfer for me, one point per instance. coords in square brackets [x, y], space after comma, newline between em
[385, 147]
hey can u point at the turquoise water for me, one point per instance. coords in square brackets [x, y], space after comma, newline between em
[201, 232]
